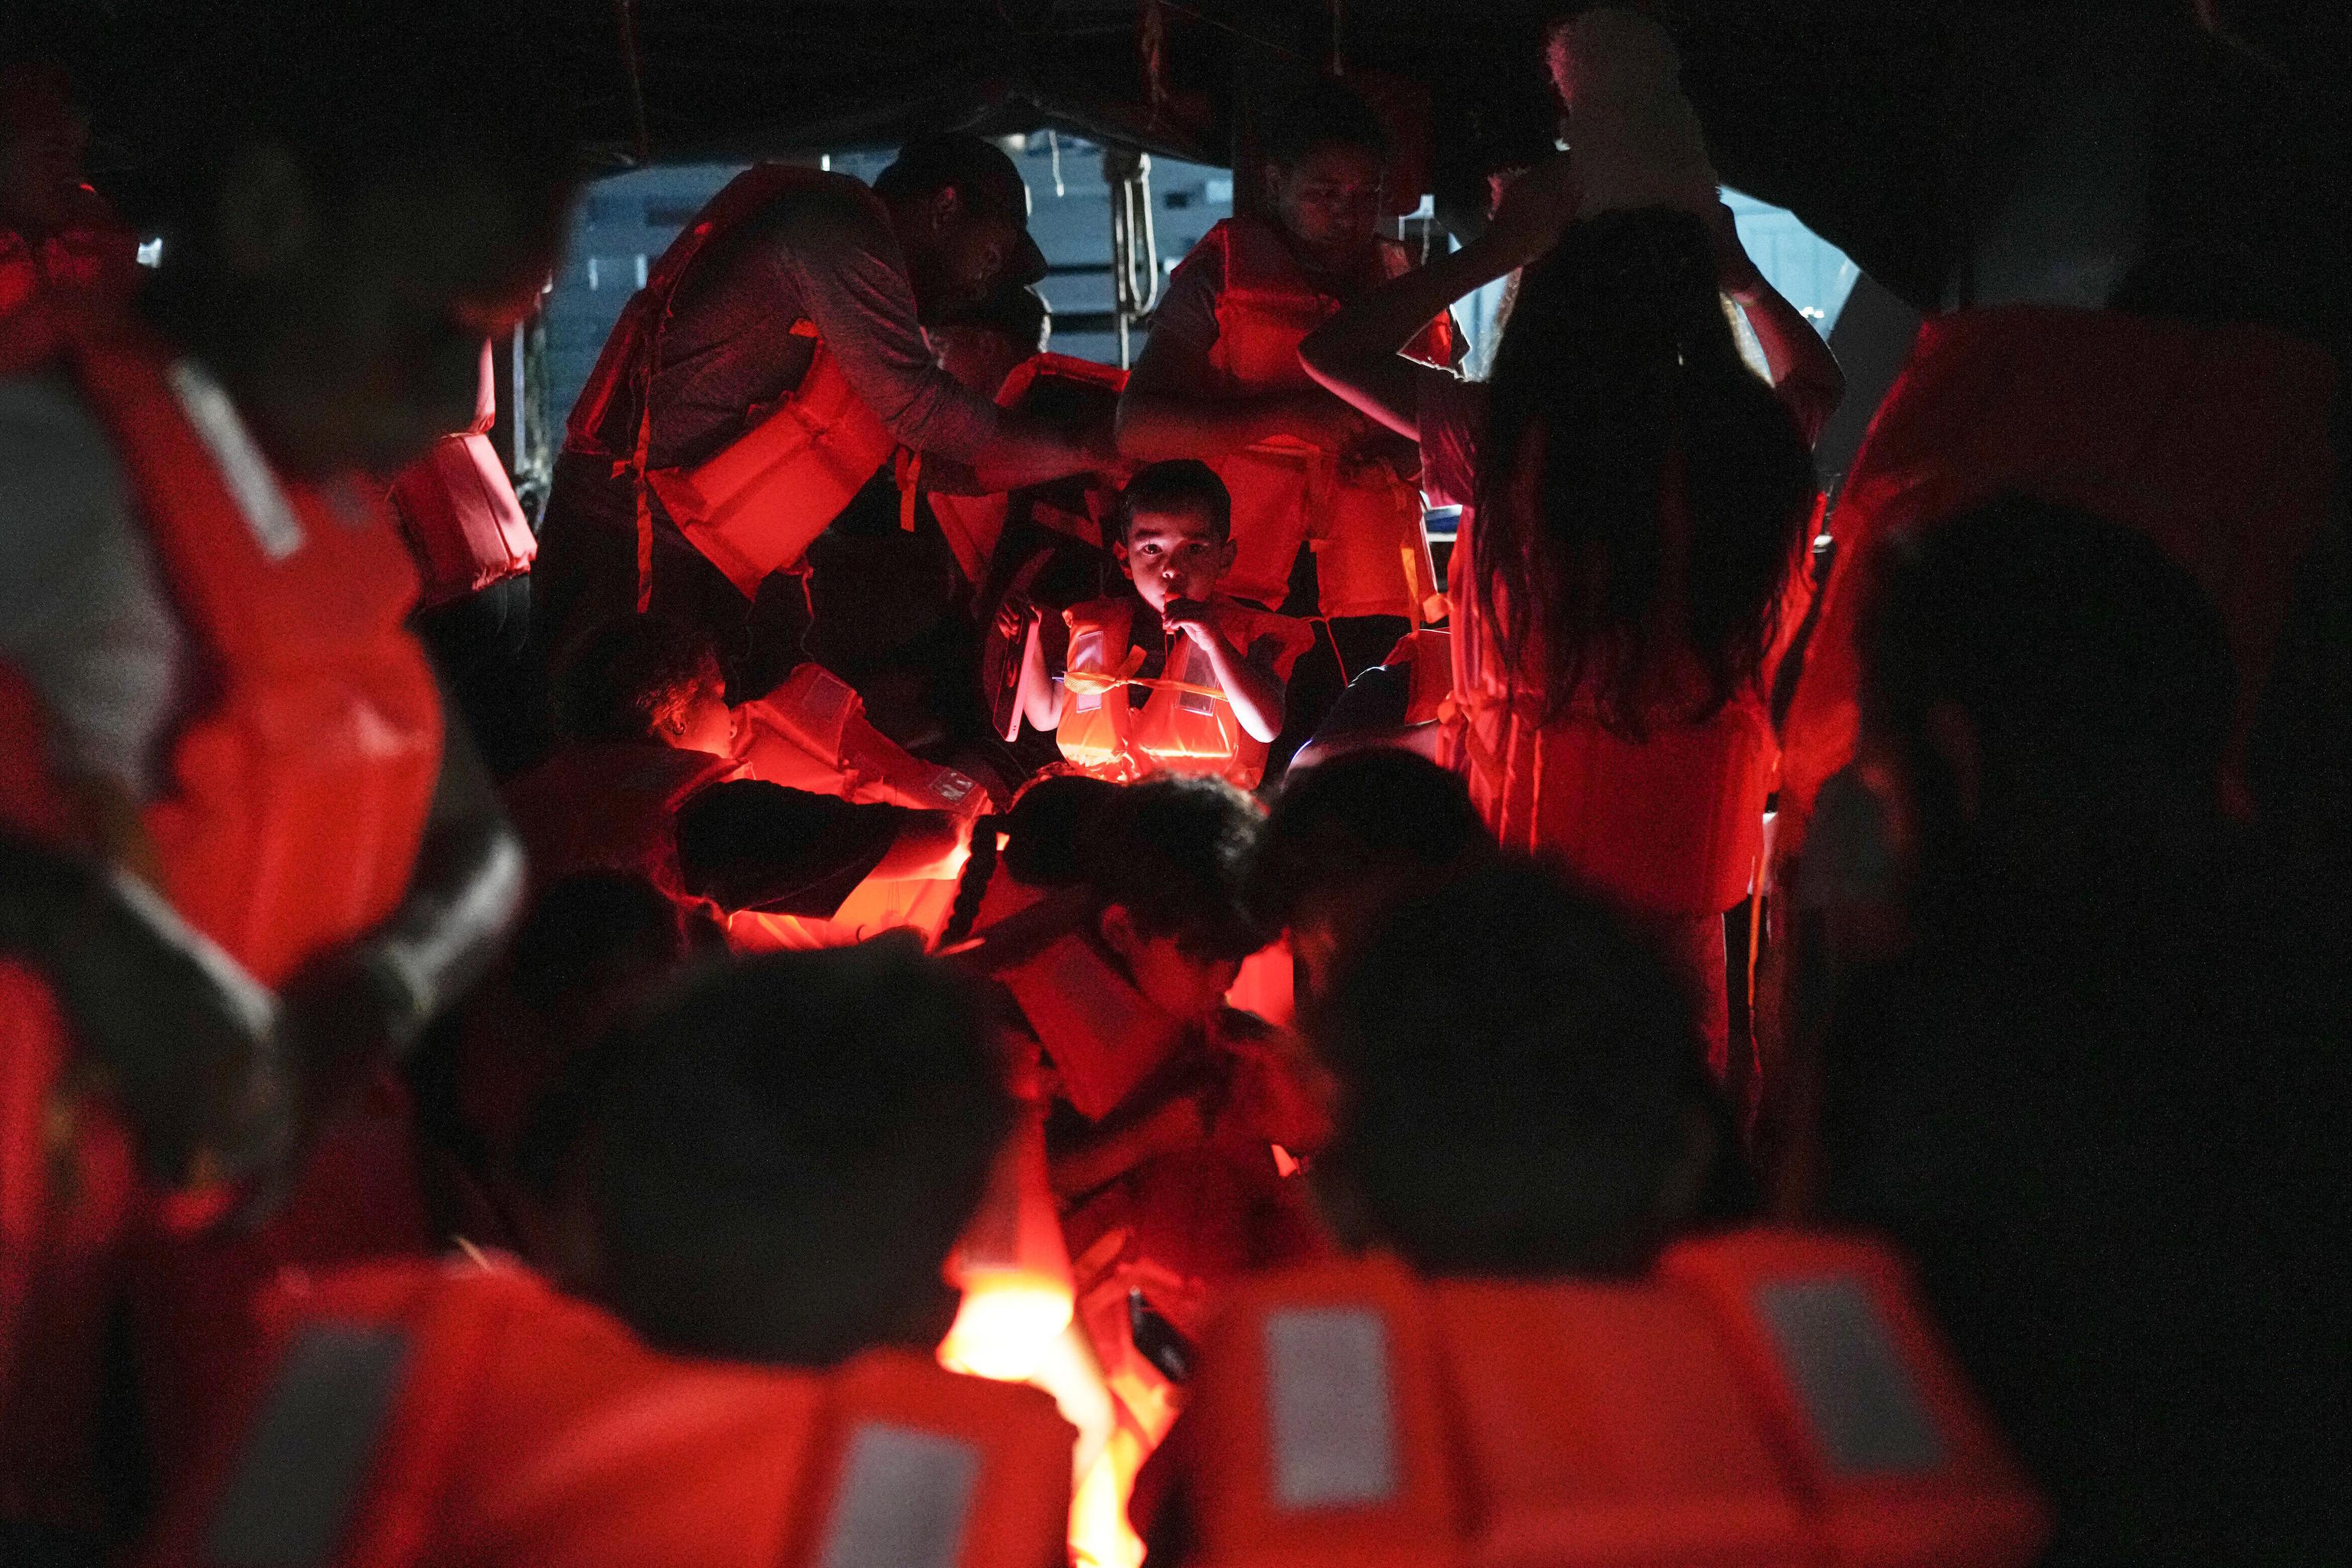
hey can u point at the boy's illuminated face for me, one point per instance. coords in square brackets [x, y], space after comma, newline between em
[1175, 555]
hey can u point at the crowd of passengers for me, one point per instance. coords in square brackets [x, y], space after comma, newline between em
[967, 959]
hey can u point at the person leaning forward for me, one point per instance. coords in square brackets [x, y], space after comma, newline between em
[773, 364]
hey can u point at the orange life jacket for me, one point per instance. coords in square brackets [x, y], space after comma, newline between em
[296, 796]
[2213, 440]
[294, 801]
[811, 733]
[972, 524]
[459, 510]
[1371, 556]
[1671, 824]
[1763, 1397]
[1427, 654]
[753, 507]
[420, 1412]
[1187, 724]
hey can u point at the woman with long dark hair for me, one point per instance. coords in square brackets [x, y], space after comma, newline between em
[1635, 502]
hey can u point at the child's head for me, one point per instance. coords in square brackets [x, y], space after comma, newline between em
[1176, 530]
[1348, 841]
[980, 346]
[780, 1157]
[643, 677]
[1327, 158]
[1166, 859]
[1523, 1091]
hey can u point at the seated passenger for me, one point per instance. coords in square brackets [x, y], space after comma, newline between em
[776, 816]
[1540, 1348]
[1200, 691]
[2099, 1094]
[761, 1192]
[1171, 1118]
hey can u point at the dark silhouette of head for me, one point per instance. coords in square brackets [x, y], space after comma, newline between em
[351, 197]
[782, 1154]
[961, 211]
[1349, 840]
[639, 678]
[2031, 670]
[1523, 1087]
[1642, 496]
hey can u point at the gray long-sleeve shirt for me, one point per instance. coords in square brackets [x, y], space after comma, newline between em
[824, 252]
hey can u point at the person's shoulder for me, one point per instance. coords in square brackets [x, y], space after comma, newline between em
[824, 205]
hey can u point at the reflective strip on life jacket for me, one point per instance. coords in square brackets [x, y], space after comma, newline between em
[1759, 1398]
[302, 1465]
[415, 1411]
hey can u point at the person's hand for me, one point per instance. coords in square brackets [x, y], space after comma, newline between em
[1012, 616]
[1322, 421]
[1535, 210]
[1193, 619]
[1735, 271]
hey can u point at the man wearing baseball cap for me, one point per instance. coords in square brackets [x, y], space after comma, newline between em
[772, 365]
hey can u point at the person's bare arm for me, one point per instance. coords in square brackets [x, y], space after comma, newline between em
[1357, 354]
[1804, 374]
[1249, 680]
[1171, 1128]
[1174, 407]
[1042, 701]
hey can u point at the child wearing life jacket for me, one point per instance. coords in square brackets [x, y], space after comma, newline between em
[1544, 1335]
[1221, 380]
[1175, 677]
[1170, 1119]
